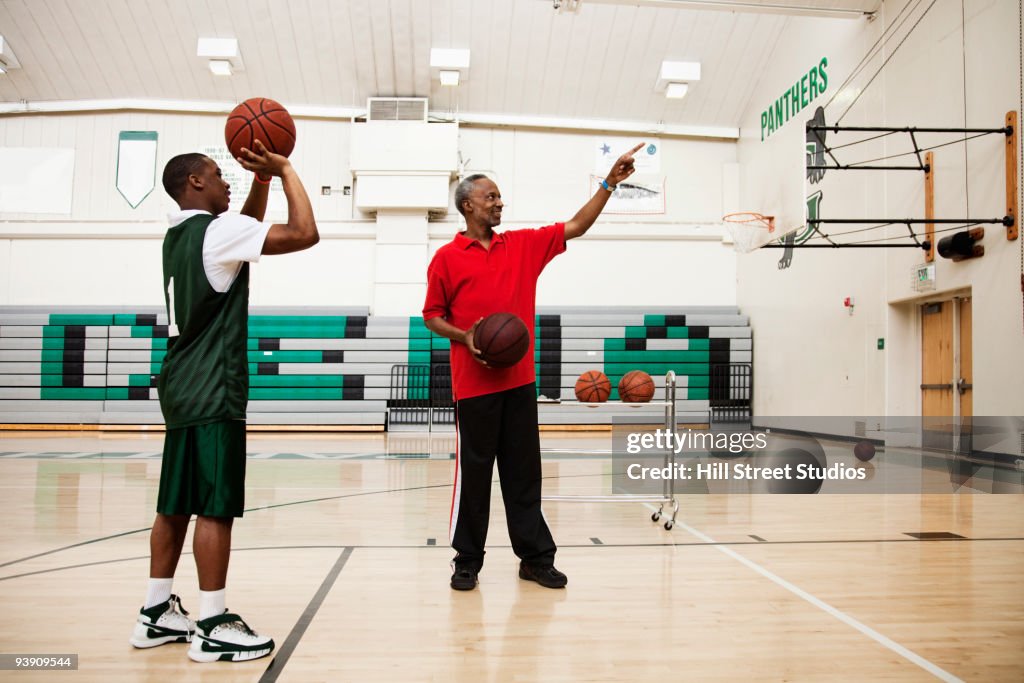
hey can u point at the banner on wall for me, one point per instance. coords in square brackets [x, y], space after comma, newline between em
[634, 197]
[36, 179]
[136, 165]
[646, 161]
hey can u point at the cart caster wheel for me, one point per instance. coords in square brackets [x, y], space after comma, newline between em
[668, 525]
[656, 516]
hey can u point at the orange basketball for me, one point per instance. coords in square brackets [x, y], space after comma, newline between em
[636, 386]
[259, 118]
[503, 339]
[593, 387]
[864, 450]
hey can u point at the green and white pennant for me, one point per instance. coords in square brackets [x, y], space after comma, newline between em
[136, 165]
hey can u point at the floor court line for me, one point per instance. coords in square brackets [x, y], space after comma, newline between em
[435, 546]
[883, 640]
[72, 546]
[284, 653]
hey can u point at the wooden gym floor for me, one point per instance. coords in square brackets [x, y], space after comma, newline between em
[343, 559]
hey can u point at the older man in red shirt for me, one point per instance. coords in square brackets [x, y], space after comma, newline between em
[478, 273]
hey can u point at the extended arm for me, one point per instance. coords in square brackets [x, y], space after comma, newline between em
[256, 203]
[585, 217]
[300, 232]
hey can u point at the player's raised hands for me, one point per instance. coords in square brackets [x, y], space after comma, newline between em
[262, 161]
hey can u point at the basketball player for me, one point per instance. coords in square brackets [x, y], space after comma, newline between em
[204, 389]
[478, 273]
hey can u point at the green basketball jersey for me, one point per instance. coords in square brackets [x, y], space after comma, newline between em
[205, 375]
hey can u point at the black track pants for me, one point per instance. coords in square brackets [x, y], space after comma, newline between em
[502, 425]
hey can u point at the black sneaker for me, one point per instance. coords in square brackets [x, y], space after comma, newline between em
[547, 576]
[464, 579]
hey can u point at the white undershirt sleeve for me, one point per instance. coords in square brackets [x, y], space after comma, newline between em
[231, 239]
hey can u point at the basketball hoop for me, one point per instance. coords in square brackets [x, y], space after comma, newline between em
[746, 229]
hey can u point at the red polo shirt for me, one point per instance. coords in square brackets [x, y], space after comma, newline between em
[466, 282]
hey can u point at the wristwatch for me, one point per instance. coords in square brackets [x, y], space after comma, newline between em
[605, 185]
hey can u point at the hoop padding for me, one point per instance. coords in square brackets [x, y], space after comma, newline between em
[748, 229]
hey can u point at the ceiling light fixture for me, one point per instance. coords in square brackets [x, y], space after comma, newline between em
[676, 76]
[223, 50]
[676, 91]
[7, 59]
[449, 77]
[449, 65]
[220, 67]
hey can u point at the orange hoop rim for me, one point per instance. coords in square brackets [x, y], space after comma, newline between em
[752, 219]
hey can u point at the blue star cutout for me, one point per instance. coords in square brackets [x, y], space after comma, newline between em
[605, 149]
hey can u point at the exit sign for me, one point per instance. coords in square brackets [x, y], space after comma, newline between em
[923, 277]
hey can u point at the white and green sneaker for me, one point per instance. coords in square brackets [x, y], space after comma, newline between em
[165, 623]
[226, 638]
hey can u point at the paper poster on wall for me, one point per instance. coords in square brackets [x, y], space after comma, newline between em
[634, 196]
[240, 180]
[136, 165]
[36, 179]
[647, 160]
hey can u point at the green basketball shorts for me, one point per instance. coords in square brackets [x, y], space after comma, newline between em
[203, 470]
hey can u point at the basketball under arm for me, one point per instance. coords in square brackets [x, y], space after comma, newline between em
[439, 325]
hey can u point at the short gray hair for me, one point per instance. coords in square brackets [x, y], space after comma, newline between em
[464, 188]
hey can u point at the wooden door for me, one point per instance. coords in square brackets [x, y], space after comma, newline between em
[937, 359]
[946, 375]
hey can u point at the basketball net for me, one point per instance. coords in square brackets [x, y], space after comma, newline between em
[747, 229]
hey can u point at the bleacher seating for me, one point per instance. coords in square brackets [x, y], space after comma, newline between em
[334, 366]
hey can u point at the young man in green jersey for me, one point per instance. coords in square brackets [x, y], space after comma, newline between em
[203, 388]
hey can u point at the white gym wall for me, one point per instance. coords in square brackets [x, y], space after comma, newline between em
[106, 253]
[957, 68]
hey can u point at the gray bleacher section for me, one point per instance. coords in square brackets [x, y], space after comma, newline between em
[584, 334]
[332, 366]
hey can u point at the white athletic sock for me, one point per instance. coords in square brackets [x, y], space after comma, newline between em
[211, 603]
[159, 590]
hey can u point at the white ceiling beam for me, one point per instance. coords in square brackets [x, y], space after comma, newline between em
[177, 106]
[608, 125]
[313, 111]
[795, 9]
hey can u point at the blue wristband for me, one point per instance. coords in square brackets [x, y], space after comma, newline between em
[605, 185]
